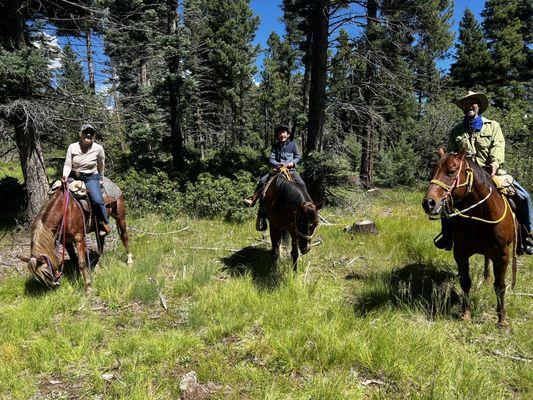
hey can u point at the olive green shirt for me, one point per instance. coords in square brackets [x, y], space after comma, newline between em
[488, 144]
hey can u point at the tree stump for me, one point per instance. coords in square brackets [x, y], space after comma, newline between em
[364, 227]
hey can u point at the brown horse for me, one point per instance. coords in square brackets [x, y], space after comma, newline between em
[483, 222]
[289, 209]
[50, 227]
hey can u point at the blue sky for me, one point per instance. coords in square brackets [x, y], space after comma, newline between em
[269, 12]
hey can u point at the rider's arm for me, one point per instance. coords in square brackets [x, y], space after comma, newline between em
[296, 155]
[68, 162]
[100, 162]
[497, 146]
[453, 146]
[272, 159]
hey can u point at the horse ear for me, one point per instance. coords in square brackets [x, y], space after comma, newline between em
[23, 258]
[441, 152]
[319, 205]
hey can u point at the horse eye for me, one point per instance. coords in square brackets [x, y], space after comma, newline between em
[451, 173]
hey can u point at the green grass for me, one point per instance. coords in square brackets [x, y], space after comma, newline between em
[361, 309]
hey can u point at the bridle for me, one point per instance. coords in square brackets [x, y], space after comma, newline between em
[469, 183]
[296, 224]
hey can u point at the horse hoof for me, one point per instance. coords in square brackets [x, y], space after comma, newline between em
[130, 259]
[504, 326]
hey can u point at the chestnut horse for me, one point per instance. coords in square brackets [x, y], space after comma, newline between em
[50, 227]
[483, 222]
[289, 209]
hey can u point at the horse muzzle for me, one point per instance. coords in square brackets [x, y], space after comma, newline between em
[433, 208]
[42, 272]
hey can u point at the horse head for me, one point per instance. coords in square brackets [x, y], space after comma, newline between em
[306, 223]
[452, 180]
[42, 269]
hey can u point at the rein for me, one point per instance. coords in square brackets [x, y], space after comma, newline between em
[285, 172]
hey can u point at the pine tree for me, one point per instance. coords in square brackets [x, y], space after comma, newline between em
[504, 32]
[71, 78]
[473, 62]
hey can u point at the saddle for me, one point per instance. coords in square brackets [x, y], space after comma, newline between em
[77, 189]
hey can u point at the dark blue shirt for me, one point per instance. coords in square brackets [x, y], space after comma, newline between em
[284, 154]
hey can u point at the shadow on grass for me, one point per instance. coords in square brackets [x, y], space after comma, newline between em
[415, 286]
[256, 262]
[13, 202]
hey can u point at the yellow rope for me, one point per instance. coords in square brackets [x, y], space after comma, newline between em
[484, 220]
[286, 173]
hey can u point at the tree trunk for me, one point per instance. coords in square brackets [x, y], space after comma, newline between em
[174, 91]
[13, 36]
[319, 65]
[367, 149]
[33, 168]
[90, 60]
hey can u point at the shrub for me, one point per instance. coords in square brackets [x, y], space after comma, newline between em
[398, 165]
[324, 172]
[211, 196]
[228, 162]
[149, 192]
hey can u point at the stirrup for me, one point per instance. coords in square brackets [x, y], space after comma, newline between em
[260, 224]
[442, 242]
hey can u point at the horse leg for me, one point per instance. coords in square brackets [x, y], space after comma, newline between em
[486, 270]
[294, 252]
[466, 283]
[83, 264]
[500, 268]
[122, 228]
[275, 237]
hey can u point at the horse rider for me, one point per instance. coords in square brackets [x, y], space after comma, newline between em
[483, 139]
[85, 161]
[284, 154]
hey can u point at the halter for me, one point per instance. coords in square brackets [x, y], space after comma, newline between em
[469, 183]
[308, 237]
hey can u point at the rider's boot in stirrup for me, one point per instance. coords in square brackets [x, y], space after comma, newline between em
[444, 239]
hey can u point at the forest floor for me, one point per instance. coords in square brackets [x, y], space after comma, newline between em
[202, 314]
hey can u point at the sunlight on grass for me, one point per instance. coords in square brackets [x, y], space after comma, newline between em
[366, 316]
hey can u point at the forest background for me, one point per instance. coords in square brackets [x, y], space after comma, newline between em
[187, 118]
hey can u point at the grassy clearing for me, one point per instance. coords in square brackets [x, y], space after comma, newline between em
[365, 317]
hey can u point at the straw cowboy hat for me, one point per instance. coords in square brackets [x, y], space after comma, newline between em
[481, 98]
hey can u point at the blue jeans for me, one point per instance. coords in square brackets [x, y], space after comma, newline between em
[92, 183]
[525, 210]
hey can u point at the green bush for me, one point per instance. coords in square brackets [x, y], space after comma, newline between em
[323, 172]
[212, 196]
[398, 165]
[229, 162]
[150, 192]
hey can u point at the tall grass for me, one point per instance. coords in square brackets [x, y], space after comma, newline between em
[364, 317]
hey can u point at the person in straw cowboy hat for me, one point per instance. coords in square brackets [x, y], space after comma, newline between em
[483, 138]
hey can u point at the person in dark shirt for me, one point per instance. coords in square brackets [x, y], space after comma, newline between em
[284, 154]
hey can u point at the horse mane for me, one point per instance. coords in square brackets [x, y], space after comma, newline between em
[42, 238]
[291, 193]
[481, 175]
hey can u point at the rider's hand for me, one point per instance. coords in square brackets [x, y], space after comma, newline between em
[290, 165]
[281, 165]
[63, 179]
[493, 170]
